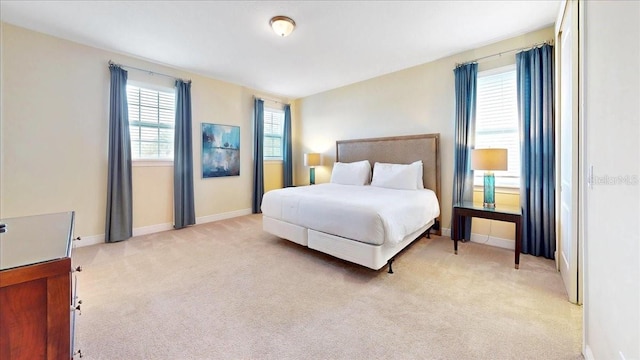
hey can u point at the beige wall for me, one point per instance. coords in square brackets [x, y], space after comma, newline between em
[152, 195]
[273, 175]
[54, 134]
[412, 101]
[496, 229]
[54, 96]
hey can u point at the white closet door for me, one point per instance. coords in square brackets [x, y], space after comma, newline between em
[568, 111]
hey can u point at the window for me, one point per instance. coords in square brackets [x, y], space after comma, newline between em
[497, 121]
[273, 127]
[151, 123]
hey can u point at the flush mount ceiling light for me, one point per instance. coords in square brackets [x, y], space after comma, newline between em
[282, 25]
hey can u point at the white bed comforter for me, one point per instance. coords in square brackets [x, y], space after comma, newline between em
[369, 214]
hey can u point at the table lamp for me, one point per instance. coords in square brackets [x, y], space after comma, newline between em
[312, 160]
[489, 160]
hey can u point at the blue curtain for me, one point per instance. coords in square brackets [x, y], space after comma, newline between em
[119, 220]
[537, 182]
[287, 152]
[464, 139]
[258, 149]
[183, 203]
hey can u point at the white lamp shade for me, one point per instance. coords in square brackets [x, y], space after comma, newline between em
[489, 159]
[312, 159]
[282, 25]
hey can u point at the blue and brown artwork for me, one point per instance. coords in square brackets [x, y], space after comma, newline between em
[220, 150]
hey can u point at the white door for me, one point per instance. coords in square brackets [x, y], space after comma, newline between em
[568, 250]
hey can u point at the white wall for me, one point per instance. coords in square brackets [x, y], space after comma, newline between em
[412, 101]
[54, 133]
[611, 116]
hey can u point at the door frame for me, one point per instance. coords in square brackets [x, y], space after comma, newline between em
[579, 177]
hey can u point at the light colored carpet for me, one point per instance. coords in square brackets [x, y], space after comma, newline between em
[227, 290]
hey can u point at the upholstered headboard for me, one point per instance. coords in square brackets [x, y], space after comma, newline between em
[397, 150]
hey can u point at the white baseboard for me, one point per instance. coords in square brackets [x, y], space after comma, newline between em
[151, 229]
[588, 355]
[89, 240]
[223, 216]
[491, 240]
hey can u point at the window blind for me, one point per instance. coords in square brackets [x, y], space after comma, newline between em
[273, 127]
[151, 123]
[497, 121]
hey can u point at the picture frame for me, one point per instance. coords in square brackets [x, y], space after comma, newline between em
[220, 150]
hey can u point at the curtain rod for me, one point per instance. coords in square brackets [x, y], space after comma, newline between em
[550, 42]
[273, 100]
[147, 71]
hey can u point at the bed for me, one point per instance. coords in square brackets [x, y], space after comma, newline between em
[364, 224]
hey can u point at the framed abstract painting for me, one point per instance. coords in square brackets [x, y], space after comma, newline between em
[220, 150]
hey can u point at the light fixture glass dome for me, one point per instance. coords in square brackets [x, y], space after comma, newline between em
[282, 25]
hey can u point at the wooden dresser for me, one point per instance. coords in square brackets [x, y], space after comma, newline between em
[35, 287]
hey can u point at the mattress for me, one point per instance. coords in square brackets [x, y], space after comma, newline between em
[368, 214]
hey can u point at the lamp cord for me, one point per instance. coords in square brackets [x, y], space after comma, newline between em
[489, 233]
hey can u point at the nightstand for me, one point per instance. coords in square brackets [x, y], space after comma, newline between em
[37, 318]
[500, 212]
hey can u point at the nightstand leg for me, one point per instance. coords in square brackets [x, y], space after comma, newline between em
[518, 241]
[455, 231]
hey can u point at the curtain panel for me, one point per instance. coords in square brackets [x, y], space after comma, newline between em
[464, 139]
[287, 151]
[183, 202]
[258, 159]
[537, 183]
[119, 215]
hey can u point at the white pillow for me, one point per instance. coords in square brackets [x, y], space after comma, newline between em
[398, 176]
[355, 173]
[419, 170]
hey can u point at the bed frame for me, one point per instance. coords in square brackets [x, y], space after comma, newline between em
[397, 149]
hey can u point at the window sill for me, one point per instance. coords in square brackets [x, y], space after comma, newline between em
[272, 161]
[500, 190]
[147, 163]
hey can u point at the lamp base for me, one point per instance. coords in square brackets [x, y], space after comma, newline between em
[312, 176]
[489, 205]
[489, 190]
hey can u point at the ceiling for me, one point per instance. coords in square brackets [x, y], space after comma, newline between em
[335, 43]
